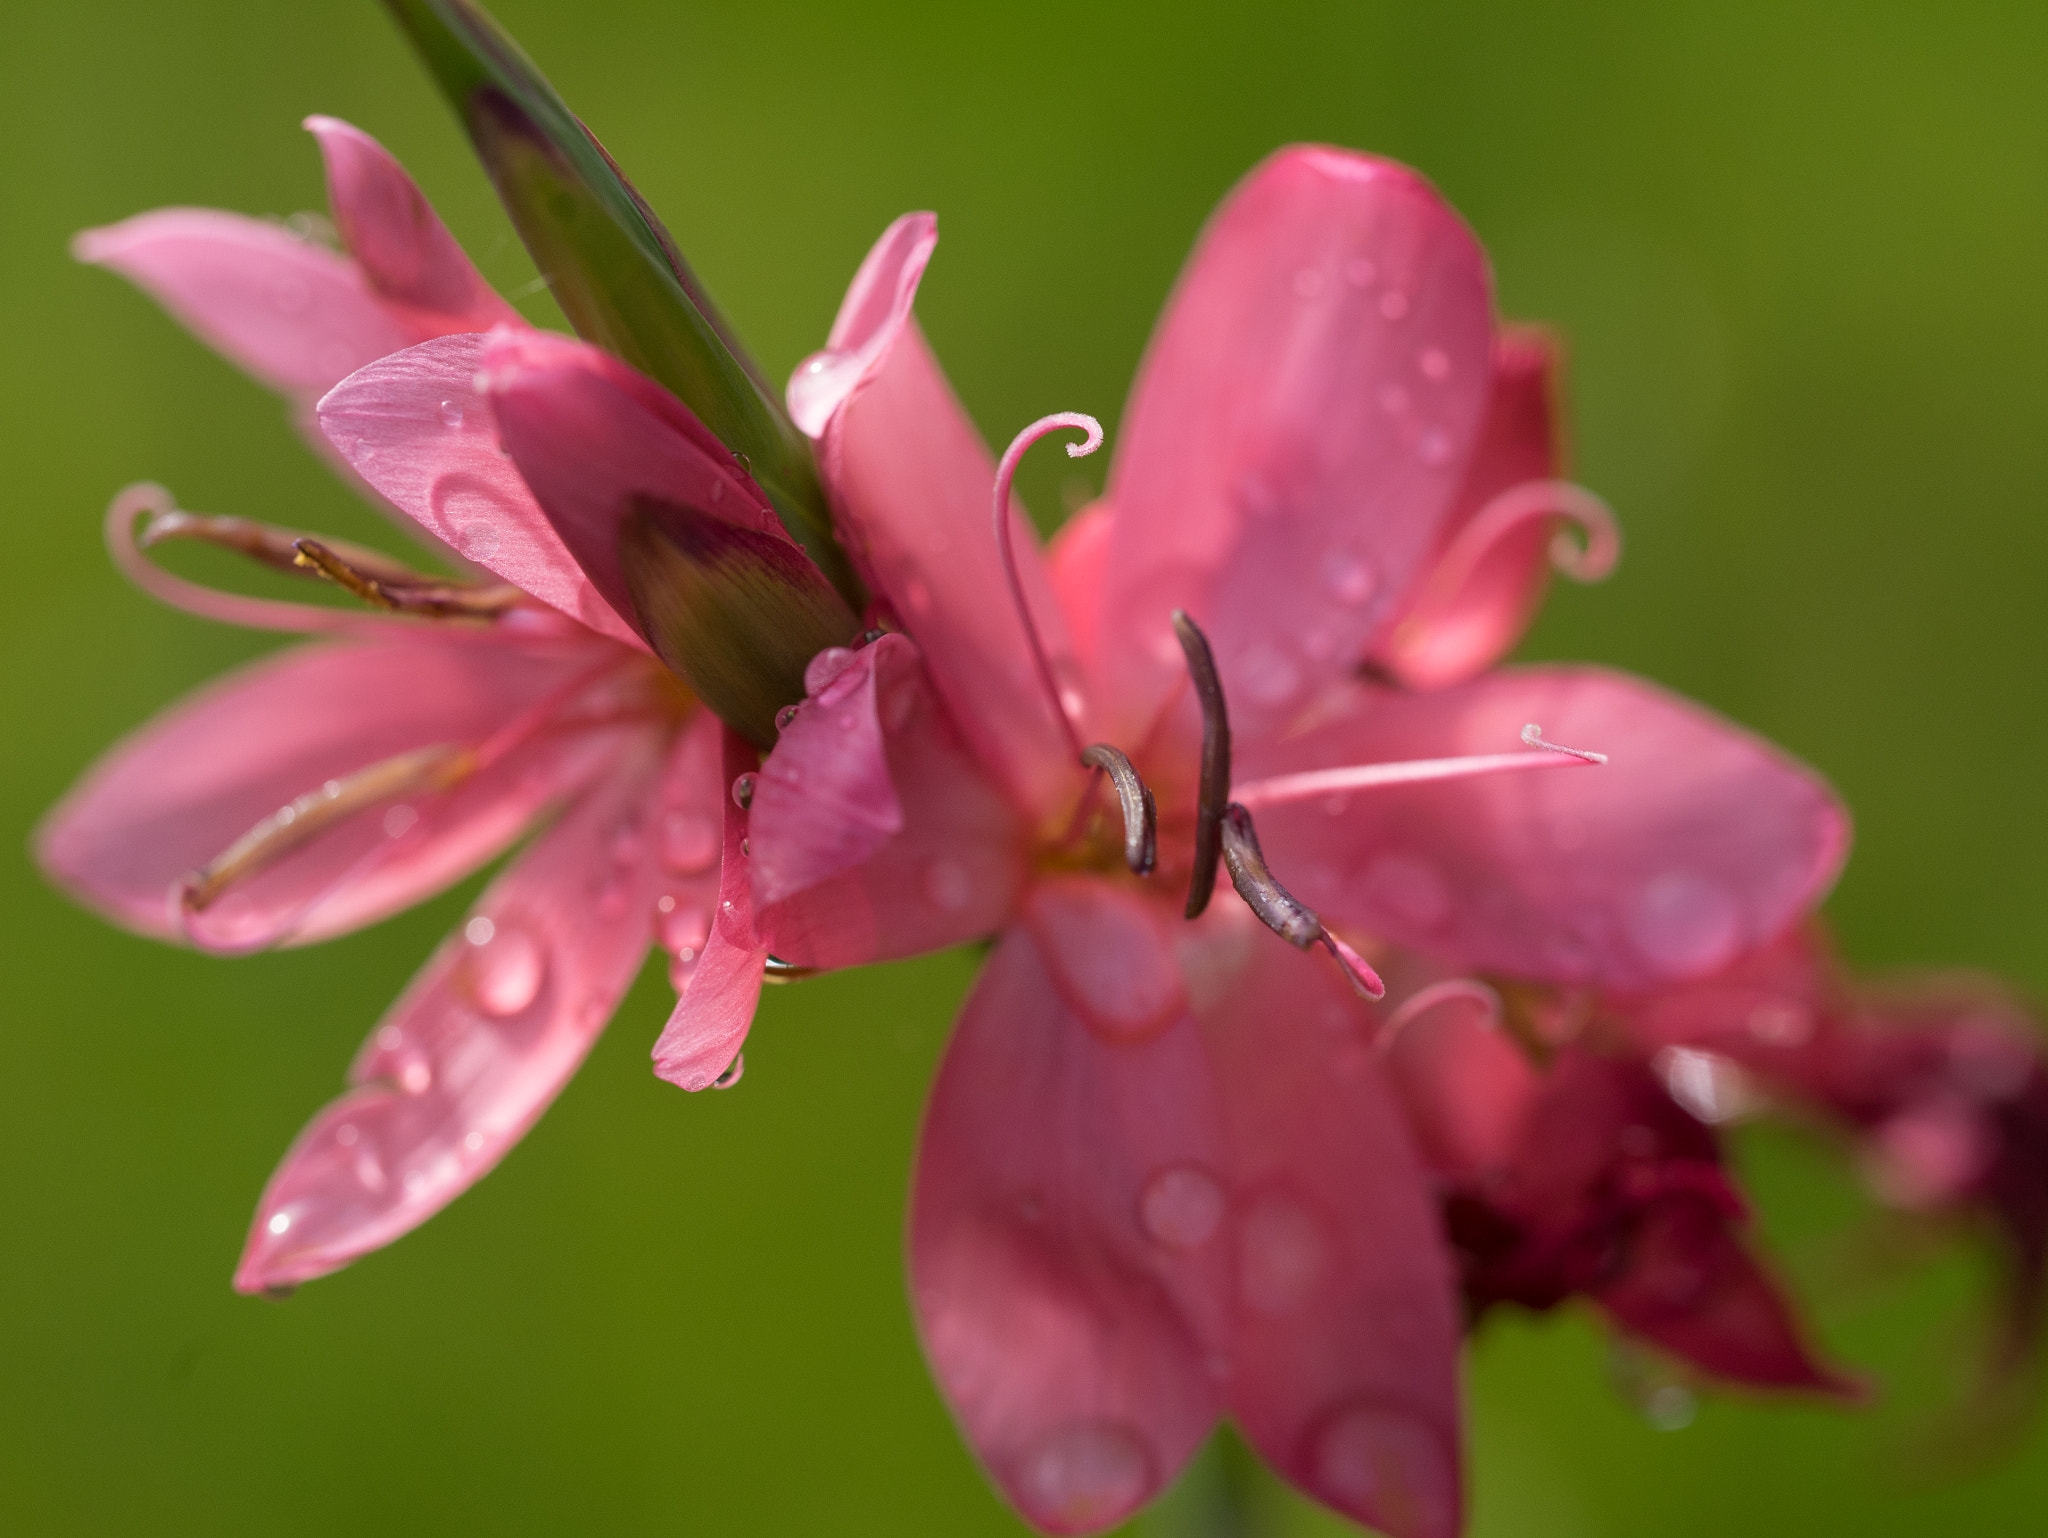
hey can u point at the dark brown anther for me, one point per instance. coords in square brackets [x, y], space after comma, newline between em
[1141, 815]
[1215, 790]
[1278, 909]
[384, 584]
[776, 970]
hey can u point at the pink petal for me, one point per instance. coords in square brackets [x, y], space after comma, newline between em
[1297, 434]
[588, 433]
[1343, 1367]
[181, 791]
[399, 242]
[1465, 1084]
[709, 1025]
[913, 486]
[1693, 843]
[477, 1047]
[295, 315]
[417, 428]
[954, 872]
[1110, 953]
[1068, 1247]
[825, 801]
[1078, 566]
[1454, 629]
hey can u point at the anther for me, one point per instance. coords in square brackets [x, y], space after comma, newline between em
[1006, 473]
[776, 970]
[1279, 909]
[1141, 814]
[291, 826]
[1533, 735]
[1215, 785]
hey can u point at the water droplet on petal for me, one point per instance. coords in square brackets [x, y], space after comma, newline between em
[1348, 577]
[1267, 674]
[478, 931]
[734, 1072]
[1079, 1477]
[415, 1076]
[473, 1141]
[451, 413]
[389, 1038]
[346, 1134]
[1670, 1407]
[743, 791]
[1387, 1466]
[1435, 364]
[504, 974]
[685, 928]
[279, 1223]
[820, 383]
[398, 820]
[1713, 1088]
[689, 842]
[947, 886]
[1685, 923]
[1181, 1207]
[1781, 1025]
[784, 716]
[1282, 1256]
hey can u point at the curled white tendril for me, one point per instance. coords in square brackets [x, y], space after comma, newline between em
[1424, 1000]
[1006, 473]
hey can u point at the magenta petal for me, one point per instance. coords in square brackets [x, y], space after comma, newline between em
[1465, 1084]
[477, 1047]
[710, 1021]
[180, 791]
[403, 248]
[913, 486]
[589, 434]
[825, 801]
[417, 427]
[1068, 1248]
[1343, 1368]
[955, 870]
[1296, 435]
[1458, 623]
[1696, 841]
[295, 315]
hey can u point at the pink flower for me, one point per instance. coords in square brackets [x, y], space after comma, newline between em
[1163, 1176]
[334, 783]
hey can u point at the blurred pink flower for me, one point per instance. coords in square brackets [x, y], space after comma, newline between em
[1162, 1175]
[325, 787]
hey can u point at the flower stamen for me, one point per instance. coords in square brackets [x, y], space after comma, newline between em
[1279, 909]
[1282, 788]
[1006, 473]
[1215, 783]
[1141, 813]
[384, 584]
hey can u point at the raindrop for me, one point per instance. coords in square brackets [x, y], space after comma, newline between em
[1685, 923]
[947, 885]
[398, 820]
[1267, 674]
[1347, 577]
[685, 929]
[1373, 1461]
[505, 972]
[734, 1072]
[1282, 1256]
[1079, 1477]
[346, 1134]
[473, 1141]
[1181, 1207]
[478, 931]
[689, 842]
[416, 1076]
[818, 386]
[279, 1223]
[746, 465]
[451, 413]
[1435, 364]
[743, 791]
[784, 716]
[1671, 1407]
[389, 1038]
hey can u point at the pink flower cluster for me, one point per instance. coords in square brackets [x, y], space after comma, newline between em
[1173, 1168]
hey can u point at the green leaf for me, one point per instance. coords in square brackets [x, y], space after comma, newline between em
[611, 265]
[738, 614]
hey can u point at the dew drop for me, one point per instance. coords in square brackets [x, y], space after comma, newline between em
[398, 820]
[1079, 1477]
[415, 1076]
[1684, 922]
[746, 465]
[689, 842]
[346, 1134]
[784, 716]
[1435, 364]
[1393, 304]
[1347, 577]
[478, 931]
[946, 884]
[1267, 674]
[1670, 1407]
[743, 791]
[389, 1038]
[1282, 1256]
[451, 413]
[279, 1223]
[1181, 1207]
[473, 1141]
[734, 1072]
[505, 972]
[820, 383]
[685, 928]
[1380, 1463]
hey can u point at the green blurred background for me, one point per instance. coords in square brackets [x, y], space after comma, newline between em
[1797, 249]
